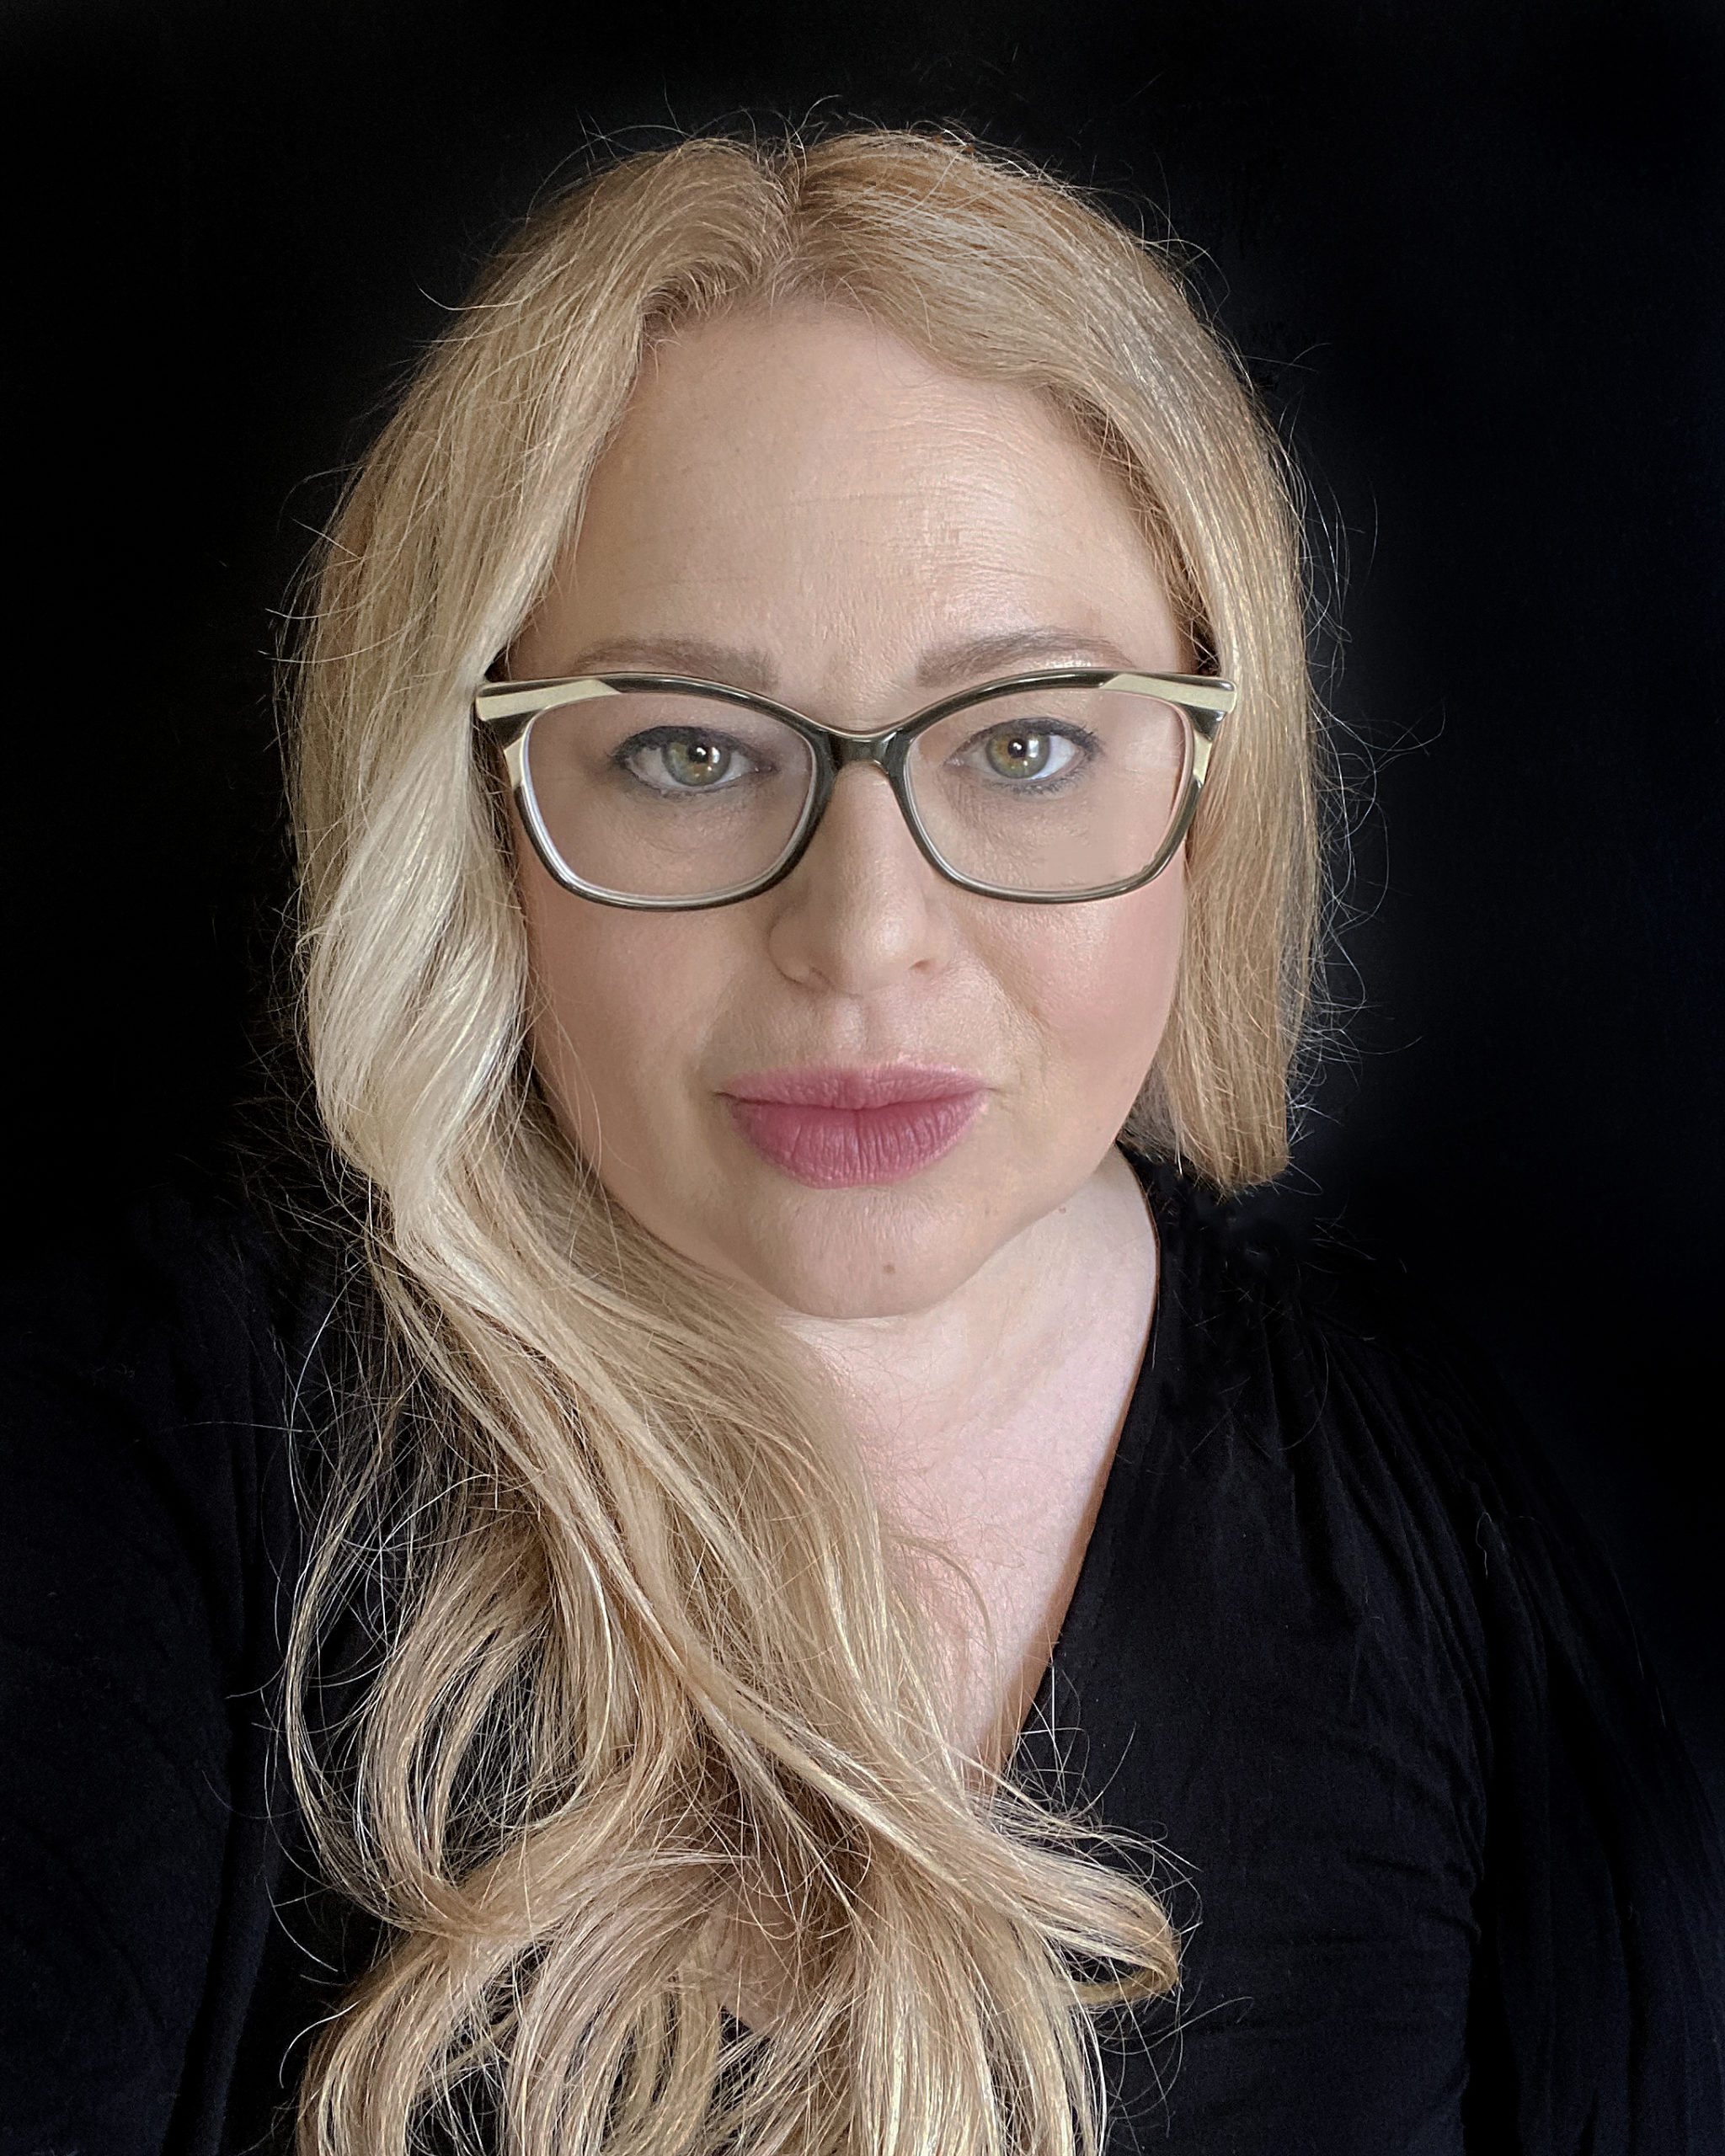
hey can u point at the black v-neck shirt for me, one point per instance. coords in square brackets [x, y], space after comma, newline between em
[1445, 1880]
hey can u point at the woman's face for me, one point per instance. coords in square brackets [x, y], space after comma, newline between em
[797, 505]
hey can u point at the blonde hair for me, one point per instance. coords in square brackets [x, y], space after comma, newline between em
[644, 1658]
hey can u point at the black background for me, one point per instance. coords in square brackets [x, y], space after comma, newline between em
[1475, 258]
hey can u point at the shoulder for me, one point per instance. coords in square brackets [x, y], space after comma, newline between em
[1319, 1340]
[148, 1550]
[147, 1364]
[1381, 1441]
[189, 1257]
[1385, 1454]
[1339, 1462]
[1333, 1365]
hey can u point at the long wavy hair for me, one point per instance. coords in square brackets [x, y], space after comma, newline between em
[646, 1675]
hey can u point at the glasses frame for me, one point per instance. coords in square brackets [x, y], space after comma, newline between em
[505, 712]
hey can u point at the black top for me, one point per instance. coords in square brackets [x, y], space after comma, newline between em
[1448, 1881]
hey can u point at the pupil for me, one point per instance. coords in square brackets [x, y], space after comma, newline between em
[1018, 755]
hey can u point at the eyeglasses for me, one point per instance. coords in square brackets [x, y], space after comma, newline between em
[650, 790]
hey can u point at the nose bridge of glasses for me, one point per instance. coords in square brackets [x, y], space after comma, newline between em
[857, 826]
[848, 749]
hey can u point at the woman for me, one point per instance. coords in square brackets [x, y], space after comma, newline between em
[804, 739]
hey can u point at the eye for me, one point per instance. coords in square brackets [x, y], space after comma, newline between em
[1029, 751]
[692, 762]
[681, 760]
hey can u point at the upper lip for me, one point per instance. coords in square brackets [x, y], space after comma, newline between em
[852, 1085]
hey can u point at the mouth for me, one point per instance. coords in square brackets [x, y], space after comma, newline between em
[837, 1128]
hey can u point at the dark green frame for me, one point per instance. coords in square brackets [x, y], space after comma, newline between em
[505, 712]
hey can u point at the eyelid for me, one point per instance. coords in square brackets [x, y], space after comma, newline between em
[1064, 730]
[662, 737]
[656, 737]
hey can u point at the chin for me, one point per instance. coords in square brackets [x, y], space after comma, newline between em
[867, 1253]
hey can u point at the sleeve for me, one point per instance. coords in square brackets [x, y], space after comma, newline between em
[135, 1643]
[1597, 2025]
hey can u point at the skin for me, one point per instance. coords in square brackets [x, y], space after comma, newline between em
[802, 505]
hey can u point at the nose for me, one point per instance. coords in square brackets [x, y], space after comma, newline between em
[862, 908]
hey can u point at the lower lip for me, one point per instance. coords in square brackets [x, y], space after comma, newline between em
[839, 1149]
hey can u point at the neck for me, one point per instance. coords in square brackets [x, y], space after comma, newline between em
[987, 1427]
[950, 1385]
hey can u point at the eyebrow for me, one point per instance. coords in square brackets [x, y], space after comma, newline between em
[952, 665]
[947, 666]
[733, 666]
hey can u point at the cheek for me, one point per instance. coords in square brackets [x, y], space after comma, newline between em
[623, 1002]
[1099, 986]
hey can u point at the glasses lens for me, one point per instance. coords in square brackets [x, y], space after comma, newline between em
[665, 794]
[1052, 791]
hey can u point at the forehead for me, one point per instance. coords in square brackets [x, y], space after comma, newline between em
[804, 485]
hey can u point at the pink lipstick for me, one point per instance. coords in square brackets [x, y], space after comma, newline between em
[835, 1128]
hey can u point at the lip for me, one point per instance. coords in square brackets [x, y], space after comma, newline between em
[836, 1127]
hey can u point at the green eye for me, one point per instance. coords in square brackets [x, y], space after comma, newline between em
[693, 761]
[677, 762]
[1020, 753]
[1029, 752]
